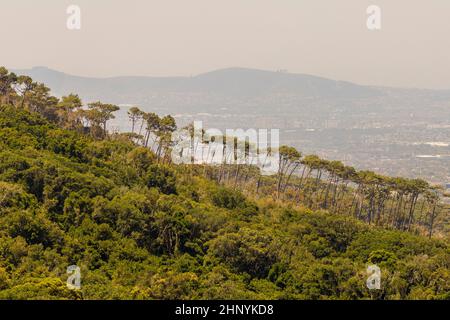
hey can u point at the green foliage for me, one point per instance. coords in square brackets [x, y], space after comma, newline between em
[228, 199]
[34, 228]
[37, 289]
[140, 228]
[161, 177]
[246, 250]
[13, 196]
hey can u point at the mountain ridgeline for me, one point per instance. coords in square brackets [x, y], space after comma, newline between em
[232, 82]
[141, 227]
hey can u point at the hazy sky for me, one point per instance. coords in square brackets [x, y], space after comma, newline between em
[185, 37]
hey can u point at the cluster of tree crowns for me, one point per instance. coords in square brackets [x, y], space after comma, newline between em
[394, 201]
[405, 204]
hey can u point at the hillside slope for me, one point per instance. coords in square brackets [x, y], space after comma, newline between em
[140, 229]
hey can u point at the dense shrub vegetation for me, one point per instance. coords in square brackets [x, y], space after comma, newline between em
[143, 230]
[140, 227]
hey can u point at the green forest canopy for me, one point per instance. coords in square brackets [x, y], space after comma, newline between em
[140, 227]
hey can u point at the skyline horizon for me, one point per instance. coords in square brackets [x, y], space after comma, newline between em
[405, 87]
[172, 38]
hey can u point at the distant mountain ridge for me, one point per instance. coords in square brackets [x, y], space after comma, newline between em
[232, 82]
